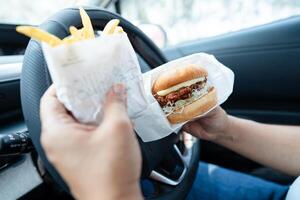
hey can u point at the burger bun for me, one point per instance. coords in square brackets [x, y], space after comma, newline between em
[195, 109]
[178, 75]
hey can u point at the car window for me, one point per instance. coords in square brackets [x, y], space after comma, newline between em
[36, 11]
[33, 12]
[184, 20]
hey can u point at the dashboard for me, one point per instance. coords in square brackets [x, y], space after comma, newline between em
[18, 173]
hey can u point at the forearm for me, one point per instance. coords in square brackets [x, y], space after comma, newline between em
[271, 145]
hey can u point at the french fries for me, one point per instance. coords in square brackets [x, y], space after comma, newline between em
[39, 34]
[88, 31]
[85, 33]
[76, 35]
[111, 26]
[75, 32]
[69, 40]
[119, 29]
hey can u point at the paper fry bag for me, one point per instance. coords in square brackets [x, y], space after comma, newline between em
[84, 71]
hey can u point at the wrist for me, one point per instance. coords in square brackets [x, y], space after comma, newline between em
[110, 193]
[227, 135]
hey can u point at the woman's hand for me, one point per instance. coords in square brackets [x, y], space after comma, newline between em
[212, 127]
[97, 162]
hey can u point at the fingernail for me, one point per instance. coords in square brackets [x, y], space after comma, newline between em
[120, 91]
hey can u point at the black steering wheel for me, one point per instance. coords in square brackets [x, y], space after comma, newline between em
[168, 164]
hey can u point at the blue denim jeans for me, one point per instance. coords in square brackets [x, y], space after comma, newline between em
[214, 182]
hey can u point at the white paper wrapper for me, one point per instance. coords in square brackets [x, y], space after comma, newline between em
[84, 71]
[152, 121]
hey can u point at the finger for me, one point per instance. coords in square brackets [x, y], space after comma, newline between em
[195, 129]
[115, 102]
[51, 110]
[115, 109]
[186, 127]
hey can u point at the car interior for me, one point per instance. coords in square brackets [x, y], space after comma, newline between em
[264, 58]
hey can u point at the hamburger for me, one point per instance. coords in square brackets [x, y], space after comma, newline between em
[184, 93]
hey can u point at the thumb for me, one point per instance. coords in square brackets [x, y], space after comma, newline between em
[115, 109]
[116, 102]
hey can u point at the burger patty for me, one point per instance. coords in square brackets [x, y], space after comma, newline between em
[182, 93]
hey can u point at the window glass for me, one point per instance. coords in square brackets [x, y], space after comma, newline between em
[184, 20]
[35, 11]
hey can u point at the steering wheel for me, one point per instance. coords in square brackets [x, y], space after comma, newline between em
[170, 166]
